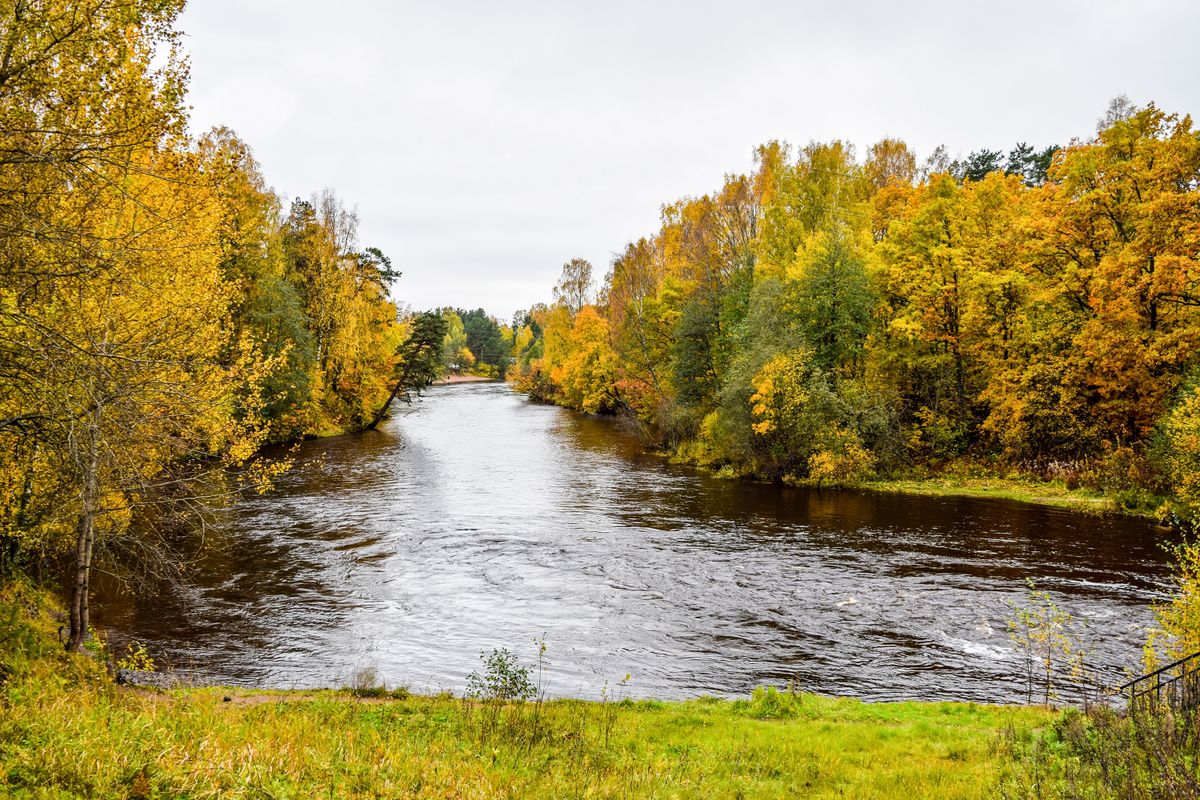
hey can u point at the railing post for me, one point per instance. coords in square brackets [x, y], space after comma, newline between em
[1180, 679]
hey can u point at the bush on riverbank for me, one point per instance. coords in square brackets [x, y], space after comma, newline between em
[66, 731]
[1103, 755]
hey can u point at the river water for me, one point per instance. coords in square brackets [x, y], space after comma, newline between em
[477, 519]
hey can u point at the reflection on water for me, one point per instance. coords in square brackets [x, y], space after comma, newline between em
[480, 519]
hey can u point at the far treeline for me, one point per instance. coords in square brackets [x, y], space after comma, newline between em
[831, 319]
[163, 313]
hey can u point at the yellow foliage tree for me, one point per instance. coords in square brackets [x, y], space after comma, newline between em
[130, 380]
[587, 374]
[1118, 233]
[1181, 433]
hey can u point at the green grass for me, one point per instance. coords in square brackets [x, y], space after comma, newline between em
[970, 479]
[65, 731]
[1045, 493]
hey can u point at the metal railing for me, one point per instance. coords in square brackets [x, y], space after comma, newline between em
[1177, 686]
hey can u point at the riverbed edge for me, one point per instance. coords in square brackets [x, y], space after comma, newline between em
[985, 486]
[454, 380]
[1052, 495]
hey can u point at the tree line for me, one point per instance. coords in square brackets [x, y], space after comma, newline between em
[476, 343]
[830, 318]
[164, 314]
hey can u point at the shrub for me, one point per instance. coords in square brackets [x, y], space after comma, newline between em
[1101, 754]
[1180, 432]
[504, 678]
[1048, 638]
[365, 683]
[767, 702]
[841, 460]
[1177, 622]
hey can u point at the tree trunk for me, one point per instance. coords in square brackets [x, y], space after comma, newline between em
[408, 376]
[8, 556]
[85, 541]
[10, 546]
[382, 412]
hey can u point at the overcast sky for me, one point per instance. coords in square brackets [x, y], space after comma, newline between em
[486, 143]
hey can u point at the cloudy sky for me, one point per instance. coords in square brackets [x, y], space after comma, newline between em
[486, 143]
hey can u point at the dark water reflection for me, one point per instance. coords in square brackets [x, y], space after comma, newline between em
[481, 520]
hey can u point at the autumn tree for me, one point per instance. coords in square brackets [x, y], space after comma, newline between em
[1118, 232]
[267, 307]
[925, 282]
[106, 222]
[890, 163]
[160, 318]
[455, 353]
[135, 389]
[1179, 444]
[586, 374]
[575, 286]
[350, 320]
[824, 318]
[642, 327]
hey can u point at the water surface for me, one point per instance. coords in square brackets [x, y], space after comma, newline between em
[478, 519]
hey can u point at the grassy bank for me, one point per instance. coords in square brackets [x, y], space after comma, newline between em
[1043, 493]
[95, 743]
[67, 731]
[974, 481]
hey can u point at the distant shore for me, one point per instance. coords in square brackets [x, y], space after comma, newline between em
[449, 379]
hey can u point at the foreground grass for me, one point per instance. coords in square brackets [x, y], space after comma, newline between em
[117, 744]
[65, 731]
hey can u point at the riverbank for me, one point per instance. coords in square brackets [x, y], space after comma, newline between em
[450, 380]
[957, 479]
[1049, 493]
[1029, 490]
[67, 731]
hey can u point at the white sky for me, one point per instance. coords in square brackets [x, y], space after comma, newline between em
[486, 143]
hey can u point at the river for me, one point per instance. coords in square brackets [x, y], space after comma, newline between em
[476, 519]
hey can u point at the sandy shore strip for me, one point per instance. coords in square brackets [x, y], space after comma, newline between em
[449, 379]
